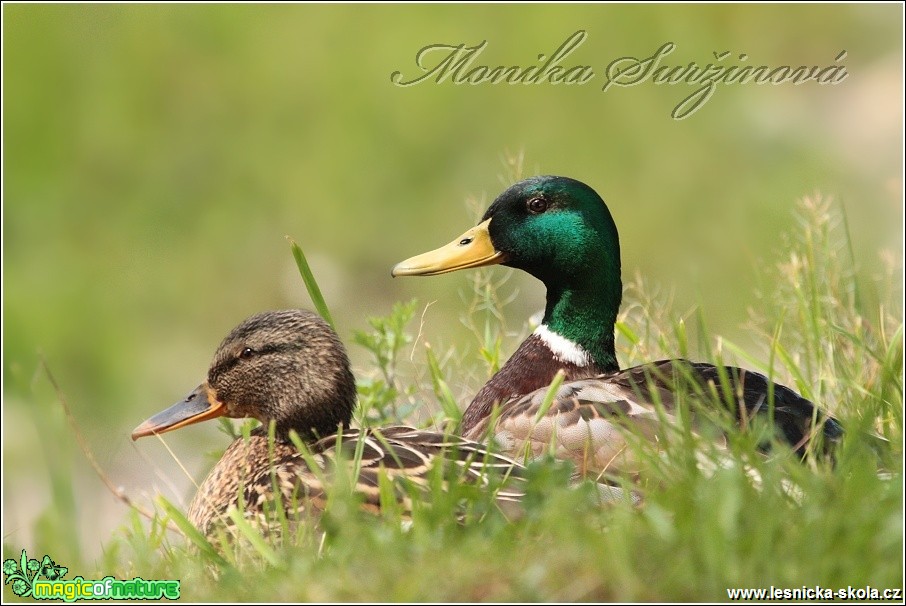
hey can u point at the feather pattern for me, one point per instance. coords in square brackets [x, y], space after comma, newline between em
[403, 455]
[289, 368]
[595, 421]
[560, 231]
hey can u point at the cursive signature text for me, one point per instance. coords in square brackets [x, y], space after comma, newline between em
[456, 64]
[631, 71]
[461, 64]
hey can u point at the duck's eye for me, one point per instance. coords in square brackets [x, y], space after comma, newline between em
[536, 206]
[246, 353]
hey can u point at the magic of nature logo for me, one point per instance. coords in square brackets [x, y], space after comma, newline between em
[43, 580]
[459, 64]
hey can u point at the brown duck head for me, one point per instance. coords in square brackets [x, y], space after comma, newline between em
[286, 366]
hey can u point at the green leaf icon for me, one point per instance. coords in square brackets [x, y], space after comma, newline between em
[51, 571]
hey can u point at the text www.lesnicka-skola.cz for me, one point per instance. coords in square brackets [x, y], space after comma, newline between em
[815, 593]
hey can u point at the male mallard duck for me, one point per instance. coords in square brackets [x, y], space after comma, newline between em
[290, 367]
[560, 231]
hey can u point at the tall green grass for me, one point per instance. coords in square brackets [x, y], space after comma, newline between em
[837, 340]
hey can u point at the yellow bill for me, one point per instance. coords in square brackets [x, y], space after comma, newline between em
[472, 249]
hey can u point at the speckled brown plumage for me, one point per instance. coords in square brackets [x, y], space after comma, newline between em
[289, 367]
[404, 455]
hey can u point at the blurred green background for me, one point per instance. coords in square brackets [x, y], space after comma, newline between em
[156, 156]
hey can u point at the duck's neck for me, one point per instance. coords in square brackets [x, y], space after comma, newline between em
[584, 319]
[326, 406]
[576, 336]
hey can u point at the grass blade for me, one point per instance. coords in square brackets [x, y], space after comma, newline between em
[442, 389]
[310, 283]
[191, 532]
[255, 538]
[550, 395]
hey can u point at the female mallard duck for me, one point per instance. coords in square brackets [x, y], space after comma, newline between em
[290, 367]
[560, 231]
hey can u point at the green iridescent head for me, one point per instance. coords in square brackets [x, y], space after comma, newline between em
[560, 231]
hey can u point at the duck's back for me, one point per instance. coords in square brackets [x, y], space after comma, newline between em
[260, 474]
[595, 421]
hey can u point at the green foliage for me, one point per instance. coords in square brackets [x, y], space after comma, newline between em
[379, 396]
[442, 391]
[712, 519]
[697, 535]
